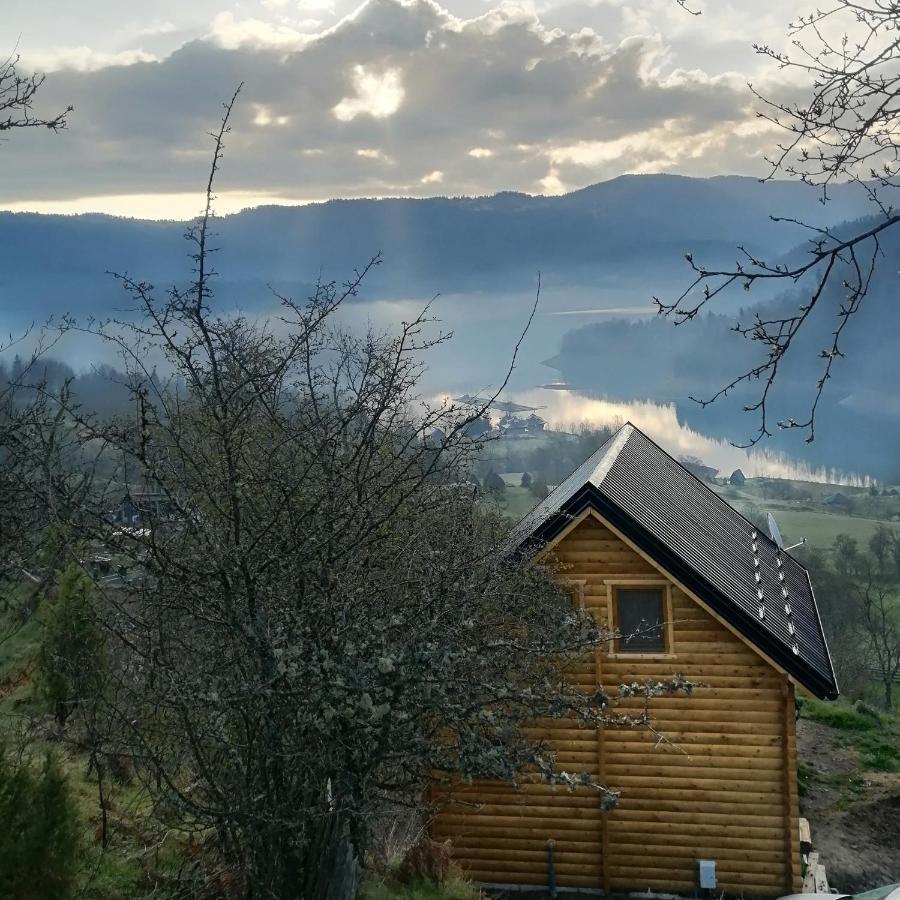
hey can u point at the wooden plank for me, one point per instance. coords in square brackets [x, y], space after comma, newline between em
[820, 879]
[805, 836]
[809, 877]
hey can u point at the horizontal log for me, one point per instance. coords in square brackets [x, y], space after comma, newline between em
[689, 717]
[510, 810]
[595, 574]
[672, 746]
[620, 761]
[548, 825]
[623, 736]
[638, 818]
[709, 693]
[729, 858]
[606, 554]
[537, 867]
[705, 702]
[763, 804]
[640, 783]
[686, 834]
[464, 853]
[535, 844]
[568, 800]
[640, 874]
[763, 779]
[724, 802]
[684, 865]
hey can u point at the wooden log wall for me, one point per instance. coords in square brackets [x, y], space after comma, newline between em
[725, 791]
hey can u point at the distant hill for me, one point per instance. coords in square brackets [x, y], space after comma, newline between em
[634, 229]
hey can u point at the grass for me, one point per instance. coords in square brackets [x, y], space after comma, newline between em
[386, 888]
[875, 736]
[821, 528]
[515, 502]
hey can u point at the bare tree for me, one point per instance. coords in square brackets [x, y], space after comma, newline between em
[17, 95]
[844, 130]
[315, 614]
[876, 596]
[21, 408]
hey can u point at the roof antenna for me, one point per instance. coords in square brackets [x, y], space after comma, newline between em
[775, 532]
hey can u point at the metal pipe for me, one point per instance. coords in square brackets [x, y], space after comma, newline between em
[551, 868]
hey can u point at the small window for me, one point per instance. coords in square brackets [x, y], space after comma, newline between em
[640, 620]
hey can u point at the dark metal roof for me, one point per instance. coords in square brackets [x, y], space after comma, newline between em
[706, 544]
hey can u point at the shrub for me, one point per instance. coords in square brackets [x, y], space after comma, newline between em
[38, 840]
[526, 480]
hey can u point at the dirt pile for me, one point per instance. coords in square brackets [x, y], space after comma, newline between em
[854, 814]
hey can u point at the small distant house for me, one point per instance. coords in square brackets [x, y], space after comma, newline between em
[737, 478]
[698, 468]
[642, 541]
[512, 425]
[515, 426]
[141, 505]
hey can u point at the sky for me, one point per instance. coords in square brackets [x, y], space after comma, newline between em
[387, 98]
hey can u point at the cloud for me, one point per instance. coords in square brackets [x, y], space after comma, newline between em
[499, 101]
[232, 33]
[85, 59]
[378, 95]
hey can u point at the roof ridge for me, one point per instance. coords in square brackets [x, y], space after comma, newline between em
[614, 446]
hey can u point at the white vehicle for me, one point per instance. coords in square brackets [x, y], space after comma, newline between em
[888, 892]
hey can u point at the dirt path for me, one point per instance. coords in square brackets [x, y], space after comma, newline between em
[854, 815]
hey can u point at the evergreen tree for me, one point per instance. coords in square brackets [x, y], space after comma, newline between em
[539, 488]
[72, 654]
[526, 480]
[39, 837]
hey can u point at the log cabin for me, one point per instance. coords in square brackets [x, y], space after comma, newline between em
[642, 540]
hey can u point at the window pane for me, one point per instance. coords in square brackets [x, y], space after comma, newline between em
[640, 620]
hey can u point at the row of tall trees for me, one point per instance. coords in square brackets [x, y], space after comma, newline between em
[858, 591]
